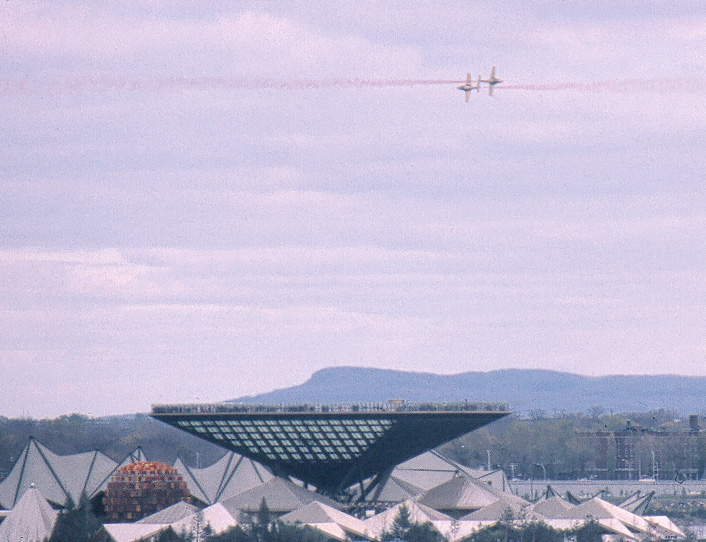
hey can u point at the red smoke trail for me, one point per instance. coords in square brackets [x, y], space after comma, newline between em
[662, 86]
[296, 84]
[101, 84]
[110, 84]
[258, 83]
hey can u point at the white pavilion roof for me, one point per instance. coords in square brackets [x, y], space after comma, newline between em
[31, 520]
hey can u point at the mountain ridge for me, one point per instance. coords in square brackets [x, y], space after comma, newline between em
[524, 390]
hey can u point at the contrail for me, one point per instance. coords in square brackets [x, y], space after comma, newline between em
[110, 84]
[660, 86]
[79, 85]
[283, 84]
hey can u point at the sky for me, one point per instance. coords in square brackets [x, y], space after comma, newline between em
[206, 200]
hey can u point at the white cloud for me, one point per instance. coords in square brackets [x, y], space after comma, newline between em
[122, 44]
[160, 216]
[104, 256]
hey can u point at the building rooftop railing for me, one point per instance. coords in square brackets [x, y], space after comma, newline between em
[389, 406]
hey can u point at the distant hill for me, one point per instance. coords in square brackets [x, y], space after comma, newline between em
[524, 390]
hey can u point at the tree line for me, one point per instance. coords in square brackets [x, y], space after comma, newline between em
[563, 446]
[538, 446]
[78, 524]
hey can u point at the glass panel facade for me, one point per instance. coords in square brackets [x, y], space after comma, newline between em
[329, 448]
[296, 440]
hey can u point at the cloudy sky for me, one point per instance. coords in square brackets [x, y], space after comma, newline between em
[204, 200]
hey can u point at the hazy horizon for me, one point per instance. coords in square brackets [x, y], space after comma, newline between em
[254, 397]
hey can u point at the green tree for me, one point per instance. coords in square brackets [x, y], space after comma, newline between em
[168, 535]
[201, 531]
[263, 521]
[236, 534]
[506, 524]
[400, 526]
[282, 532]
[277, 532]
[403, 528]
[591, 532]
[423, 532]
[506, 530]
[488, 534]
[76, 523]
[538, 531]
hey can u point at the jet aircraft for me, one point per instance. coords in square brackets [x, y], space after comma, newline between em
[492, 81]
[468, 86]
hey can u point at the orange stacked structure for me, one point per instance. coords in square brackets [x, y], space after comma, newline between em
[141, 489]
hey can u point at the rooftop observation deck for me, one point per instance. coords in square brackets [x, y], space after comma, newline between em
[392, 406]
[330, 446]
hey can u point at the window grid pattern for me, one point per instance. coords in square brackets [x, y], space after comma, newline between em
[297, 440]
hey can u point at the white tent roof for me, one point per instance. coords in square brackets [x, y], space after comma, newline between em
[281, 496]
[466, 494]
[616, 526]
[229, 476]
[395, 490]
[611, 525]
[181, 517]
[172, 513]
[564, 524]
[418, 513]
[133, 532]
[216, 515]
[562, 515]
[599, 509]
[318, 514]
[431, 468]
[58, 477]
[637, 503]
[494, 478]
[555, 507]
[665, 525]
[31, 520]
[496, 510]
[460, 530]
[427, 470]
[331, 529]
